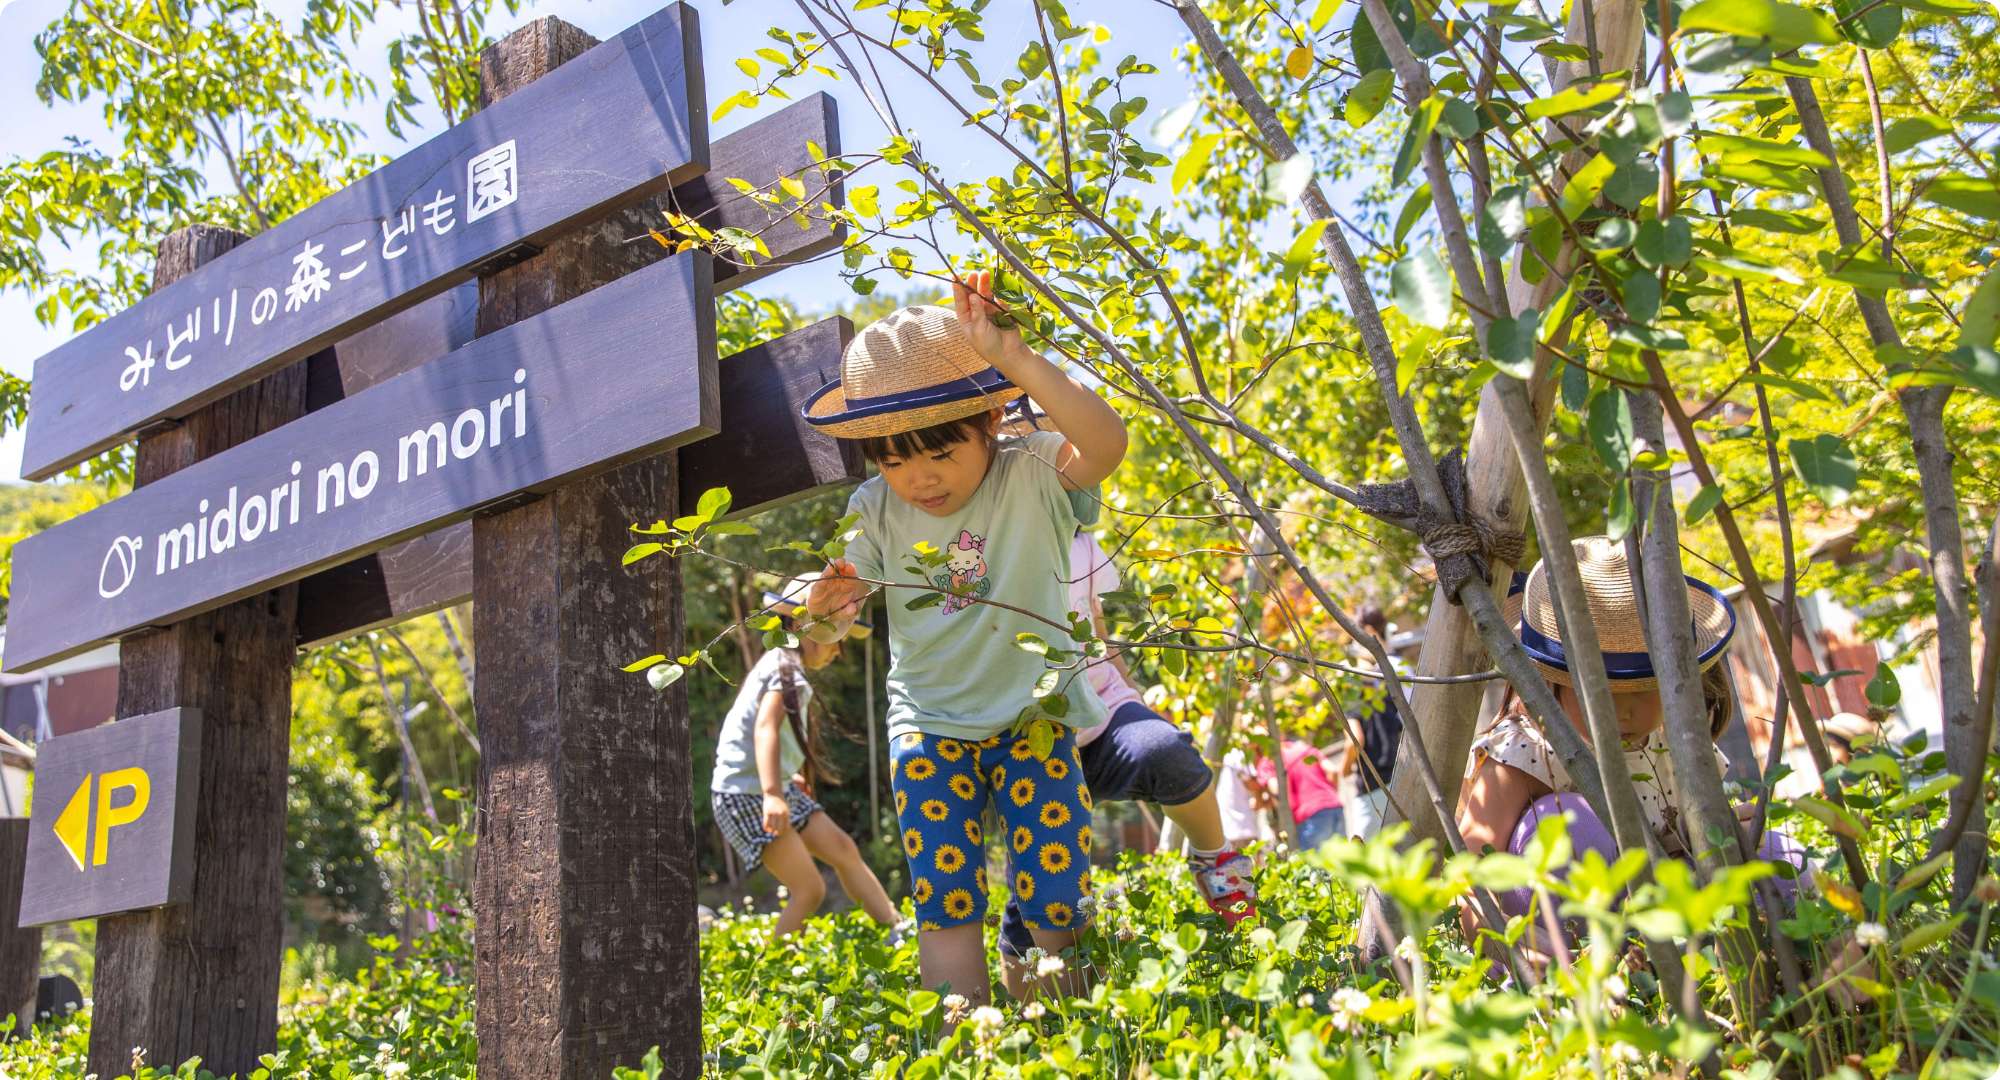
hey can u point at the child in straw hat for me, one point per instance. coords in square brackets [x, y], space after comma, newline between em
[1515, 778]
[768, 758]
[921, 390]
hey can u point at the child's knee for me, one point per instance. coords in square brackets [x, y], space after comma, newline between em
[808, 894]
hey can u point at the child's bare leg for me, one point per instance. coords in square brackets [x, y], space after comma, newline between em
[1015, 976]
[789, 861]
[954, 961]
[830, 844]
[1073, 980]
[1201, 819]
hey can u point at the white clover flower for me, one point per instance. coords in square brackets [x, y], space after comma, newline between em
[1049, 965]
[1615, 986]
[396, 1068]
[1871, 934]
[954, 1001]
[986, 1021]
[1306, 1001]
[1034, 1010]
[1086, 905]
[1406, 949]
[1033, 957]
[799, 971]
[1624, 1053]
[954, 1008]
[1348, 1007]
[784, 893]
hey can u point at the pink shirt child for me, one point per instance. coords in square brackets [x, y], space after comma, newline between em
[1094, 575]
[1311, 790]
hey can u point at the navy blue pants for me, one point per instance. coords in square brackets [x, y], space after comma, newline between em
[1139, 755]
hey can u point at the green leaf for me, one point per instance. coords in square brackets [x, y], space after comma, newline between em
[1610, 426]
[1322, 14]
[1788, 26]
[641, 665]
[1032, 643]
[1575, 387]
[1641, 291]
[1304, 246]
[1365, 101]
[1620, 516]
[1828, 466]
[1423, 122]
[639, 551]
[1504, 219]
[1913, 130]
[1576, 99]
[1884, 690]
[1871, 24]
[1792, 386]
[1664, 243]
[1927, 935]
[1980, 366]
[1421, 288]
[1510, 343]
[1979, 326]
[661, 676]
[1745, 270]
[1744, 148]
[1583, 187]
[1965, 194]
[1459, 119]
[1194, 163]
[1413, 210]
[1704, 501]
[713, 503]
[1778, 221]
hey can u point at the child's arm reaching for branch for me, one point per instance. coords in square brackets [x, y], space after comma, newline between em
[834, 602]
[1095, 432]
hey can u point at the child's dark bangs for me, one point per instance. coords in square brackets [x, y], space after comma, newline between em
[930, 440]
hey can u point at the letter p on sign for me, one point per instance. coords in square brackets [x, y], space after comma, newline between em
[112, 820]
[71, 826]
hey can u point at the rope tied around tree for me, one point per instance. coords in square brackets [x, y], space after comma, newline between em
[1462, 546]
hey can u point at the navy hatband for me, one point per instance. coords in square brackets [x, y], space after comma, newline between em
[982, 384]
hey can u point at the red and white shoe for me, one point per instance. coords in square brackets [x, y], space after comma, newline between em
[1226, 883]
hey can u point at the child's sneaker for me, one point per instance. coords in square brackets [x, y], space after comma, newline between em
[1226, 884]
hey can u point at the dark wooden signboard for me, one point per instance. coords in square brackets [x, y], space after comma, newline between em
[622, 372]
[765, 455]
[113, 819]
[488, 191]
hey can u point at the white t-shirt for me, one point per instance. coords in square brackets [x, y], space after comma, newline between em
[736, 743]
[1095, 575]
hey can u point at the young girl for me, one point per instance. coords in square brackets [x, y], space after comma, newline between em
[767, 758]
[1515, 776]
[922, 391]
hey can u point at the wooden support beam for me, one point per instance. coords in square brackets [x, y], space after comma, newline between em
[584, 891]
[201, 978]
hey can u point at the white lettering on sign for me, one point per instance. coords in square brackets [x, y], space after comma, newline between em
[234, 518]
[492, 183]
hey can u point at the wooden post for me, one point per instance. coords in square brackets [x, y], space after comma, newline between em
[201, 978]
[585, 886]
[20, 950]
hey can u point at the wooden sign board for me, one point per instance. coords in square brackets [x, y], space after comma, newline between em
[488, 191]
[113, 819]
[620, 373]
[765, 455]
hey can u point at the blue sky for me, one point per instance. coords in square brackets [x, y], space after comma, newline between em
[1139, 26]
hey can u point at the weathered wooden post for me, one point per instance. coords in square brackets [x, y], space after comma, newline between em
[20, 949]
[202, 977]
[584, 891]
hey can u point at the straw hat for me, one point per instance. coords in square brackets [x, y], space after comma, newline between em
[1607, 586]
[906, 371]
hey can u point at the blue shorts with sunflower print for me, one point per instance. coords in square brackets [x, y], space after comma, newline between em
[942, 786]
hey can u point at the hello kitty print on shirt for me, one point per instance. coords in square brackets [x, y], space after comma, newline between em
[963, 578]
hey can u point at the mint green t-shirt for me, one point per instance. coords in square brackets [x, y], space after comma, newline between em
[955, 668]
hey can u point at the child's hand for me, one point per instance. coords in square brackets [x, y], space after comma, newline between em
[777, 814]
[834, 602]
[972, 299]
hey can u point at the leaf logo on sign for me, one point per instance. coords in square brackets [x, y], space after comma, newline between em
[121, 565]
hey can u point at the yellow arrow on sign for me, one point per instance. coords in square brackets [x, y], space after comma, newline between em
[73, 824]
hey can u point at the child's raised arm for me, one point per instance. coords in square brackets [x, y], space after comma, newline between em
[834, 602]
[1095, 432]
